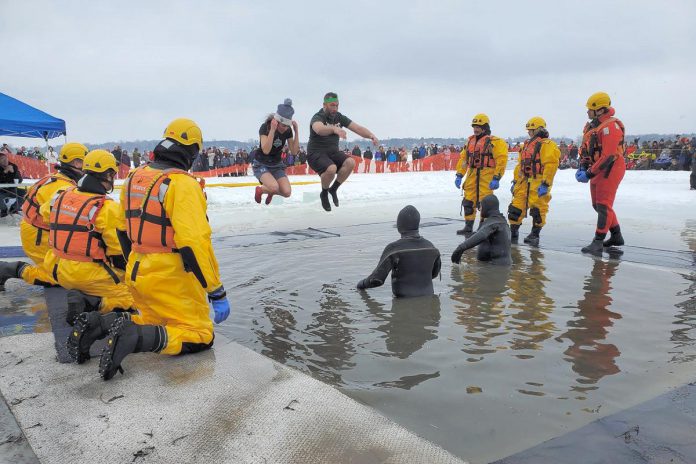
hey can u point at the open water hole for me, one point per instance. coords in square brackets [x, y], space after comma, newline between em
[498, 360]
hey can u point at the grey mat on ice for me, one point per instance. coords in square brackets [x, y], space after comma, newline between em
[228, 404]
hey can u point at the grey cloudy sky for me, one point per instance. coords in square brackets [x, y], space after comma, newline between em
[122, 70]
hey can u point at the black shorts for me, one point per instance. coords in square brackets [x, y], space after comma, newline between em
[319, 162]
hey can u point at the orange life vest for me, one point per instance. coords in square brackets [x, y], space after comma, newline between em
[591, 148]
[72, 220]
[530, 160]
[148, 227]
[30, 207]
[480, 152]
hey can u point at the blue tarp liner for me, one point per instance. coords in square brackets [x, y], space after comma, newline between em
[18, 119]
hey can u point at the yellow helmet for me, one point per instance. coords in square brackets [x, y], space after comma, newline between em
[598, 100]
[535, 123]
[72, 151]
[480, 119]
[184, 131]
[99, 161]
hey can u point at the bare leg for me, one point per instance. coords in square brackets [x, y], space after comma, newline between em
[345, 170]
[284, 187]
[328, 176]
[269, 183]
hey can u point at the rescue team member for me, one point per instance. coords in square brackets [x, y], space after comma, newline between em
[483, 162]
[412, 260]
[268, 166]
[323, 155]
[531, 187]
[172, 270]
[33, 230]
[492, 236]
[602, 164]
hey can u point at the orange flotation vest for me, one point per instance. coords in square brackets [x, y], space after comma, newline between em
[148, 227]
[30, 207]
[480, 152]
[72, 233]
[530, 161]
[591, 148]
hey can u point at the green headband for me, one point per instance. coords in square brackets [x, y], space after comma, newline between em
[330, 99]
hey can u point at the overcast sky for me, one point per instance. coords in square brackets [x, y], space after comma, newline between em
[122, 70]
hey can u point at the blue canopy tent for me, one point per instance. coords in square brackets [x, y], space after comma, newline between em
[18, 119]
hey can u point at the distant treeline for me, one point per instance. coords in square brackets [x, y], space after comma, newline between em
[147, 145]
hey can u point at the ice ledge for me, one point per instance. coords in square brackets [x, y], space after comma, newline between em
[228, 404]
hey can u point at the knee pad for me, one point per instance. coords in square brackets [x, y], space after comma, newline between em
[514, 213]
[536, 215]
[601, 216]
[468, 206]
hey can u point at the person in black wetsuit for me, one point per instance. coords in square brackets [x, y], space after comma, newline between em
[413, 261]
[492, 237]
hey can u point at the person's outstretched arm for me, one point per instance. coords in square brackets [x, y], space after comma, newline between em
[482, 234]
[379, 275]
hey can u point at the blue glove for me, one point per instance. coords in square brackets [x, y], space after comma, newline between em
[221, 306]
[495, 183]
[222, 310]
[458, 181]
[512, 187]
[581, 176]
[543, 189]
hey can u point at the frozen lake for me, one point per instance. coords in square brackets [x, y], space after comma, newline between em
[499, 359]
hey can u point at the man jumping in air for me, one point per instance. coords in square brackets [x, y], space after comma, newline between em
[323, 154]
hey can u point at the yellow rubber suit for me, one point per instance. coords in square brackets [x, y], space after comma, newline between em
[89, 277]
[477, 180]
[165, 293]
[34, 239]
[524, 195]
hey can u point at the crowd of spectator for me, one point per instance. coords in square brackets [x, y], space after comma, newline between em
[672, 154]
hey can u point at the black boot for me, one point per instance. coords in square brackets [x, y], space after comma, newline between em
[616, 238]
[78, 303]
[596, 247]
[514, 233]
[533, 237]
[10, 270]
[125, 338]
[324, 197]
[88, 328]
[467, 230]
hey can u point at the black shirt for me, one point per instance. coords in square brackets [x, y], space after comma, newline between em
[273, 156]
[9, 177]
[367, 154]
[325, 143]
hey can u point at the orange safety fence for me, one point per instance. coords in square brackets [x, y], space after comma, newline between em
[221, 172]
[29, 168]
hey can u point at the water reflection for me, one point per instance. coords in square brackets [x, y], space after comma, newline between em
[478, 291]
[685, 319]
[331, 346]
[589, 357]
[409, 325]
[530, 324]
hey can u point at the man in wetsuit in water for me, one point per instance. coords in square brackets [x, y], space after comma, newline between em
[492, 236]
[323, 155]
[412, 260]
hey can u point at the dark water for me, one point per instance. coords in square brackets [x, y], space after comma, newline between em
[498, 360]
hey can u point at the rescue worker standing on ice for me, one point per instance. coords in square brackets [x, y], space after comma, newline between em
[172, 270]
[531, 187]
[482, 164]
[602, 165]
[33, 230]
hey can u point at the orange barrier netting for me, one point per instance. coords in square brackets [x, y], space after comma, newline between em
[31, 168]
